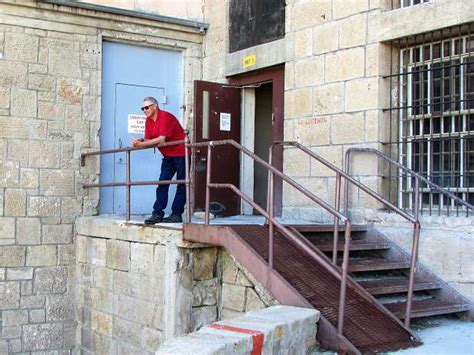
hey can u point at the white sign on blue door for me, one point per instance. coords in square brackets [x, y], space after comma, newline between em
[131, 73]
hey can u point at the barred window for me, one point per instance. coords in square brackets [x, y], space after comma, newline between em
[396, 4]
[437, 119]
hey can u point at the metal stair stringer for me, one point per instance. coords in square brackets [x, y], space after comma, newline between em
[276, 284]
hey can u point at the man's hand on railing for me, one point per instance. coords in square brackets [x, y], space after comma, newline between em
[136, 142]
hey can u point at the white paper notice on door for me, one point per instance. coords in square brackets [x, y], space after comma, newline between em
[225, 121]
[136, 124]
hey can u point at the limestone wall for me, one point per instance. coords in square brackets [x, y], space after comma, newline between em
[138, 286]
[50, 92]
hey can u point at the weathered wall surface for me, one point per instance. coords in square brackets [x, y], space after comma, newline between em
[138, 286]
[50, 90]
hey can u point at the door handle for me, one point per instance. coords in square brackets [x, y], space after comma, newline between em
[119, 143]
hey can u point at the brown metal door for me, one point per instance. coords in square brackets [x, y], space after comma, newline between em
[217, 117]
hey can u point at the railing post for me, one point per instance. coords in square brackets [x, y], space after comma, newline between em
[187, 177]
[270, 211]
[414, 253]
[128, 185]
[345, 267]
[208, 181]
[336, 219]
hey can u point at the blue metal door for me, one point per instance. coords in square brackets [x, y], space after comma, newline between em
[131, 73]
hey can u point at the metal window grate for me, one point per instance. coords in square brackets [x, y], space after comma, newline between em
[432, 116]
[396, 4]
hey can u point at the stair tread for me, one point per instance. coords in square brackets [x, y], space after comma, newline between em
[427, 307]
[374, 264]
[308, 228]
[361, 244]
[397, 285]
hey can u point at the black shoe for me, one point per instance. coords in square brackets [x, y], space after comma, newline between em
[153, 219]
[172, 218]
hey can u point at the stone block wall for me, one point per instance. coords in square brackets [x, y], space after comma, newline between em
[50, 95]
[138, 286]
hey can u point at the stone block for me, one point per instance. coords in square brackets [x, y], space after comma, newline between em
[253, 301]
[326, 38]
[59, 308]
[103, 300]
[7, 233]
[151, 338]
[347, 128]
[91, 108]
[14, 318]
[29, 302]
[104, 345]
[118, 255]
[50, 280]
[41, 255]
[345, 64]
[298, 103]
[104, 278]
[312, 131]
[328, 99]
[8, 173]
[21, 47]
[23, 103]
[37, 316]
[71, 207]
[13, 74]
[12, 256]
[230, 314]
[350, 7]
[57, 234]
[305, 14]
[353, 31]
[42, 336]
[304, 43]
[243, 280]
[309, 71]
[127, 331]
[39, 206]
[141, 258]
[101, 323]
[233, 297]
[18, 150]
[23, 273]
[10, 295]
[144, 287]
[41, 83]
[296, 163]
[66, 254]
[15, 345]
[362, 94]
[11, 332]
[15, 202]
[378, 59]
[4, 98]
[205, 293]
[74, 121]
[51, 110]
[69, 68]
[229, 268]
[28, 231]
[332, 154]
[136, 310]
[57, 182]
[204, 263]
[44, 154]
[14, 127]
[71, 91]
[29, 178]
[3, 274]
[202, 316]
[26, 287]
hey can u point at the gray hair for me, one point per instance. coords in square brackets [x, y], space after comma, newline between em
[151, 99]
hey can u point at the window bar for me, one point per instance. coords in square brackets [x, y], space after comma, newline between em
[390, 147]
[429, 174]
[470, 96]
[409, 109]
[425, 96]
[458, 121]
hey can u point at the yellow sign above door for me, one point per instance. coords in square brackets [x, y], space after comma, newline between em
[249, 61]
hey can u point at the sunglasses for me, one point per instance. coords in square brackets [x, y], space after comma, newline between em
[144, 108]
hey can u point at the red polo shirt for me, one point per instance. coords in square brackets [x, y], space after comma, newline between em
[166, 125]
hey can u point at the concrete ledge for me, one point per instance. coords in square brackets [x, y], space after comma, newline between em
[274, 330]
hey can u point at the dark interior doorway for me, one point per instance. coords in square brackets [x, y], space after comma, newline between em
[263, 139]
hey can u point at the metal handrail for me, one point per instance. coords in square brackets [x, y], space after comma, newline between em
[349, 179]
[416, 209]
[128, 183]
[270, 217]
[413, 173]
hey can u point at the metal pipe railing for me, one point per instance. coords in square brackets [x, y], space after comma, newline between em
[128, 183]
[416, 212]
[272, 171]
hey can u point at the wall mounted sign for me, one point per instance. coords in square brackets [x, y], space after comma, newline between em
[225, 121]
[136, 124]
[249, 60]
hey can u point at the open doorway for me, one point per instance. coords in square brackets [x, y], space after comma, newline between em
[262, 140]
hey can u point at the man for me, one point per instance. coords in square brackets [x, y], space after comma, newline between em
[160, 127]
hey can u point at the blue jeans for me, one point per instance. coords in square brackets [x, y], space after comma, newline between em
[169, 167]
